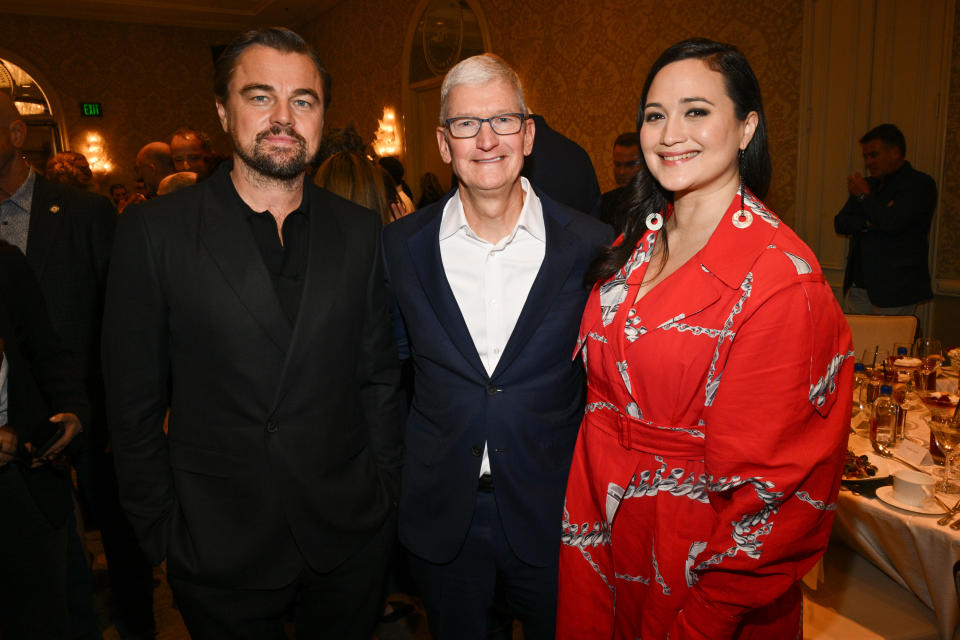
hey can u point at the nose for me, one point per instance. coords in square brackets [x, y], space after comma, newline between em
[673, 131]
[282, 113]
[486, 137]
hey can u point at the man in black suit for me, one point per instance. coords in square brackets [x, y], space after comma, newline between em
[253, 306]
[66, 235]
[887, 216]
[40, 388]
[562, 169]
[489, 285]
[627, 162]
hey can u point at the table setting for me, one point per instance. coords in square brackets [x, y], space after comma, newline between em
[899, 504]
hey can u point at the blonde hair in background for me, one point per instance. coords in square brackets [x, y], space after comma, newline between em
[480, 70]
[354, 177]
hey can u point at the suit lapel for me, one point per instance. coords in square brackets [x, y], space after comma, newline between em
[46, 216]
[558, 259]
[424, 247]
[226, 235]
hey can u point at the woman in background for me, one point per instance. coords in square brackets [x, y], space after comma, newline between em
[719, 371]
[352, 176]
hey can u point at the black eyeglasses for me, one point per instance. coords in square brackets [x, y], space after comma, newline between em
[503, 124]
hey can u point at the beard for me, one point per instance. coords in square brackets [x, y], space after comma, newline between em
[279, 166]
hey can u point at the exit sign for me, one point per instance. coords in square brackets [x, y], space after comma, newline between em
[91, 109]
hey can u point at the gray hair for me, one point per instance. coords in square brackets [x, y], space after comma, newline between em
[480, 69]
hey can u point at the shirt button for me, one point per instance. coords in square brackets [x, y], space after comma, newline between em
[496, 350]
[493, 254]
[272, 426]
[477, 450]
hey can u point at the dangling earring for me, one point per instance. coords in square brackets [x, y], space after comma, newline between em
[741, 219]
[654, 221]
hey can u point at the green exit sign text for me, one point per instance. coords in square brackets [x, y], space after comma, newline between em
[91, 109]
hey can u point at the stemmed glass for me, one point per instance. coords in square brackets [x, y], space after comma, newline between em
[946, 429]
[930, 353]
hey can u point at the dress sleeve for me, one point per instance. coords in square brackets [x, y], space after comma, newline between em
[775, 440]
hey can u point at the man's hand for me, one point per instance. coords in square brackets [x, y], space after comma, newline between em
[8, 445]
[71, 427]
[857, 185]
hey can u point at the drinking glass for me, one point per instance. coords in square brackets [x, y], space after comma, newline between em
[947, 432]
[930, 353]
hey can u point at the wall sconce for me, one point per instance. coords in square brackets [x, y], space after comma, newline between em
[96, 154]
[387, 138]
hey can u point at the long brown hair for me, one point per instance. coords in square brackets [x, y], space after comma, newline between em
[354, 177]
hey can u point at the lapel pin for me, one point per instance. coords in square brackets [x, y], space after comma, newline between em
[55, 208]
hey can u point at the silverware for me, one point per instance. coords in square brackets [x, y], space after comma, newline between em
[886, 453]
[950, 513]
[955, 525]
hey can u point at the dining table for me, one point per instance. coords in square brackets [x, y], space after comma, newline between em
[908, 546]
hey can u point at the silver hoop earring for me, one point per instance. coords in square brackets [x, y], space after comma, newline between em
[654, 221]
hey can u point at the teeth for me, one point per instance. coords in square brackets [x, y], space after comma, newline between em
[683, 156]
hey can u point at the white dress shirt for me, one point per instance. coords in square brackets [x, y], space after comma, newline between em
[491, 281]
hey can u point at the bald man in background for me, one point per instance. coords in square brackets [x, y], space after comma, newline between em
[154, 163]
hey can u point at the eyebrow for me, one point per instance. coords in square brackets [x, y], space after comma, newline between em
[682, 101]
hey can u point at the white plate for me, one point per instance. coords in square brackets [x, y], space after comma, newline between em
[883, 469]
[929, 507]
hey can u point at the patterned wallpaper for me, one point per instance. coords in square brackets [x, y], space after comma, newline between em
[948, 232]
[150, 80]
[583, 64]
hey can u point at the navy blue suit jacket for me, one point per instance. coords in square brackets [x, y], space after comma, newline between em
[528, 411]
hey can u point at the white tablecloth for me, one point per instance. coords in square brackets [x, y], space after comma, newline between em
[910, 548]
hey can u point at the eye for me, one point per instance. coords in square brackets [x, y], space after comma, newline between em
[697, 112]
[259, 99]
[302, 103]
[464, 123]
[653, 115]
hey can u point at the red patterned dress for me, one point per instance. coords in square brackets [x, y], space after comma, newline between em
[706, 472]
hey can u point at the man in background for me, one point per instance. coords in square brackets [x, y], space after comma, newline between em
[192, 150]
[118, 194]
[154, 163]
[887, 216]
[561, 168]
[627, 162]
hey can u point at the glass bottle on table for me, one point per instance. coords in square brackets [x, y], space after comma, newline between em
[861, 409]
[883, 420]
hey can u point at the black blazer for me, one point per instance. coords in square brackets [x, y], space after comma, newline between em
[562, 169]
[43, 379]
[274, 429]
[68, 248]
[889, 232]
[528, 411]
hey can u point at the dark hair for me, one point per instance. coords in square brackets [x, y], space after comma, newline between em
[203, 138]
[646, 196]
[394, 166]
[888, 134]
[335, 141]
[277, 38]
[117, 185]
[628, 139]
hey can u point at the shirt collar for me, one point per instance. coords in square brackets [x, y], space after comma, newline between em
[23, 196]
[530, 219]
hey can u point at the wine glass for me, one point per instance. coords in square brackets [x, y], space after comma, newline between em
[930, 353]
[946, 430]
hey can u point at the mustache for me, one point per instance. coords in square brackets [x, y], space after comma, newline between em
[278, 130]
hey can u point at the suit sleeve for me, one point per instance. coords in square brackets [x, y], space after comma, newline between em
[136, 369]
[381, 399]
[851, 219]
[54, 368]
[910, 207]
[774, 451]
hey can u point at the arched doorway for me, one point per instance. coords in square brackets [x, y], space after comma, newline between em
[441, 33]
[43, 132]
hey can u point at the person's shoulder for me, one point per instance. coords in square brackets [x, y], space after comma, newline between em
[78, 200]
[348, 213]
[585, 226]
[411, 223]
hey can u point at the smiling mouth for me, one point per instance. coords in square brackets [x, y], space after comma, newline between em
[489, 160]
[680, 157]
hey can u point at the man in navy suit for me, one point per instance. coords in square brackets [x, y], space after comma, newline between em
[489, 285]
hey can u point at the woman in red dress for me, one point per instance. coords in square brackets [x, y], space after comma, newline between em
[705, 477]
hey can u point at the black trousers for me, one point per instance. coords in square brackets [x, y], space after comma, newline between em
[342, 604]
[458, 595]
[33, 567]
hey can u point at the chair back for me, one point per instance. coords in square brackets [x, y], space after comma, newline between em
[883, 331]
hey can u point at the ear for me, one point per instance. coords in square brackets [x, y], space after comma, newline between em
[529, 131]
[749, 128]
[222, 114]
[18, 134]
[444, 144]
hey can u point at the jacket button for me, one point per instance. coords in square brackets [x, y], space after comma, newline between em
[492, 389]
[477, 450]
[272, 426]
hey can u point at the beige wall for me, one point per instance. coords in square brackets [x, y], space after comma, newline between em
[583, 63]
[150, 80]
